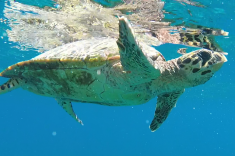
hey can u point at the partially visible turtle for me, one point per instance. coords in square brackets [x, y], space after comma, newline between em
[113, 73]
[43, 29]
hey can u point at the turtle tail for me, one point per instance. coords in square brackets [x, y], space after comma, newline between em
[10, 85]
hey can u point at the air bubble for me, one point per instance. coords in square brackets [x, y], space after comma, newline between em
[54, 133]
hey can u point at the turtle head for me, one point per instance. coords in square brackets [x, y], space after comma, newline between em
[200, 65]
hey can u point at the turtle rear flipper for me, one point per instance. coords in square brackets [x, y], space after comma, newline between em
[131, 55]
[165, 103]
[10, 85]
[67, 106]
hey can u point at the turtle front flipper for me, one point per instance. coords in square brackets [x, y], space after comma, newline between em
[165, 103]
[132, 56]
[10, 85]
[67, 106]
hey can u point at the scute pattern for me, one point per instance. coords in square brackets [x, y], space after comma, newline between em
[197, 64]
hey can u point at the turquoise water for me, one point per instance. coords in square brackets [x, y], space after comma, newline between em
[203, 122]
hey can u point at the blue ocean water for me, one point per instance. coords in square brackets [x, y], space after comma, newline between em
[203, 122]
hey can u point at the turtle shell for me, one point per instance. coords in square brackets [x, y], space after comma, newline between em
[90, 54]
[80, 71]
[86, 54]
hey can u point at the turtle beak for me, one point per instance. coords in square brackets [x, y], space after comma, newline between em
[221, 56]
[220, 59]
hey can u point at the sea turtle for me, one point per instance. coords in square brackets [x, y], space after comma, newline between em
[112, 72]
